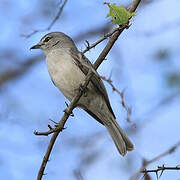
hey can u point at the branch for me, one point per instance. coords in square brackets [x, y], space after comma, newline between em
[121, 94]
[141, 122]
[57, 15]
[88, 46]
[114, 36]
[51, 130]
[11, 74]
[145, 162]
[62, 122]
[74, 101]
[167, 152]
[160, 169]
[51, 24]
[7, 76]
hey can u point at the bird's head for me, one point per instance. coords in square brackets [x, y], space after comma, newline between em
[54, 40]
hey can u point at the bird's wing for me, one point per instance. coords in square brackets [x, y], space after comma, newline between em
[84, 64]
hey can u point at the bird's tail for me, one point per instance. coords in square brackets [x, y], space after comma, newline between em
[120, 139]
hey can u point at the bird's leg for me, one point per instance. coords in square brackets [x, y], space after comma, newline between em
[83, 90]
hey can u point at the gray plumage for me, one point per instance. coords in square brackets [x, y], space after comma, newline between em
[68, 68]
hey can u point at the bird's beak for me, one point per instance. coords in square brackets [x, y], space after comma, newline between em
[37, 46]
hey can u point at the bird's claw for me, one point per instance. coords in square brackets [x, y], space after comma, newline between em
[83, 90]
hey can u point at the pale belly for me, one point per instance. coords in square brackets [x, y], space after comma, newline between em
[68, 77]
[64, 73]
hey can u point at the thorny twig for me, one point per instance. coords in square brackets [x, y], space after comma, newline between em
[51, 24]
[160, 169]
[145, 162]
[74, 101]
[61, 124]
[14, 73]
[121, 93]
[88, 46]
[51, 130]
[11, 74]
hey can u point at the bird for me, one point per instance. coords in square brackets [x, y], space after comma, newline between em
[68, 67]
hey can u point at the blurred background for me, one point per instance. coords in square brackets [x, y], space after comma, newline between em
[144, 63]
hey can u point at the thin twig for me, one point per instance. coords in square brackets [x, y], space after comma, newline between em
[145, 162]
[115, 33]
[88, 46]
[167, 152]
[61, 124]
[12, 74]
[121, 94]
[57, 15]
[160, 169]
[51, 24]
[74, 101]
[51, 130]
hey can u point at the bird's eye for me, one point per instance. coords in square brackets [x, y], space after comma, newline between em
[47, 39]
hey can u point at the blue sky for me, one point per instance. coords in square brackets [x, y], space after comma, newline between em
[27, 104]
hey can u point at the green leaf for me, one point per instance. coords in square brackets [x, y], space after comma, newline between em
[119, 14]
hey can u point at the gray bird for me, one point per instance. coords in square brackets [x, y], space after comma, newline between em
[67, 68]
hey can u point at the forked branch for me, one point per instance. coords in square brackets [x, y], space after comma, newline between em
[73, 103]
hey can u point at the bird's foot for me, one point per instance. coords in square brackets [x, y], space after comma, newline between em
[83, 90]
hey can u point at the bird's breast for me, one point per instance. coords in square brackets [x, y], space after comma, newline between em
[64, 72]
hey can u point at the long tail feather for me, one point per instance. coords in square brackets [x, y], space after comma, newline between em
[120, 139]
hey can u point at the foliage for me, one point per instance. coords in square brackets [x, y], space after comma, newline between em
[119, 14]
